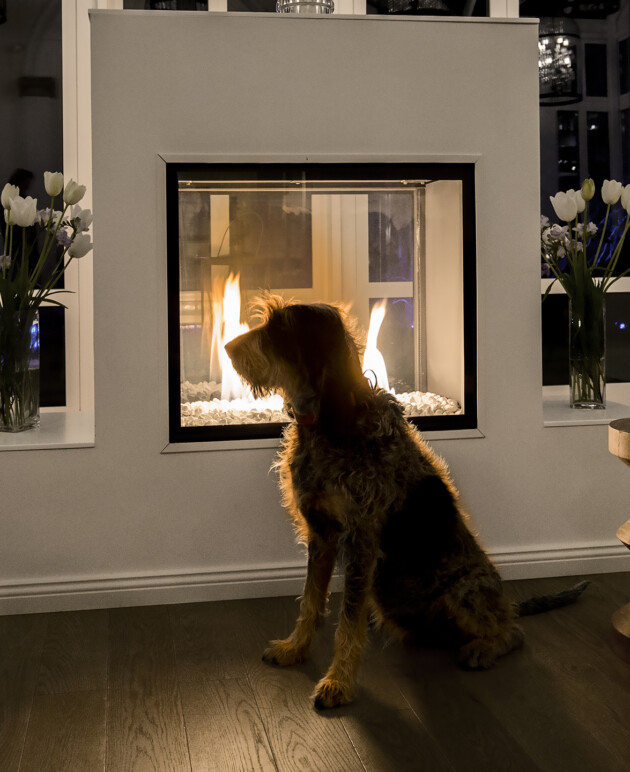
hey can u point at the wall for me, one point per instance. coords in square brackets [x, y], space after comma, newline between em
[124, 523]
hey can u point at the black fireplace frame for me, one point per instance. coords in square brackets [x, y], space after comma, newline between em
[318, 171]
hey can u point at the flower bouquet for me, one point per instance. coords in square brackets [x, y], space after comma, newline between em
[575, 257]
[39, 244]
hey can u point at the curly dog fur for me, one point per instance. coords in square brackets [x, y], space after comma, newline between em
[359, 481]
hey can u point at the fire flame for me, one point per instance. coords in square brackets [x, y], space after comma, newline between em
[373, 363]
[226, 325]
[226, 314]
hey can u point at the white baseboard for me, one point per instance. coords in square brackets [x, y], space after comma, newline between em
[114, 592]
[566, 561]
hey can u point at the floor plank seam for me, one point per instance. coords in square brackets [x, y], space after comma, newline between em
[262, 719]
[40, 654]
[107, 688]
[171, 629]
[354, 747]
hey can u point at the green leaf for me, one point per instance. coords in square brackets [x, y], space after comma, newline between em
[548, 290]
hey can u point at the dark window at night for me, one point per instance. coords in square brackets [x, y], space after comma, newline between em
[555, 326]
[595, 66]
[624, 66]
[597, 146]
[625, 142]
[38, 150]
[52, 356]
[568, 150]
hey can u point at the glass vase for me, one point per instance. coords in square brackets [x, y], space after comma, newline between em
[19, 370]
[587, 351]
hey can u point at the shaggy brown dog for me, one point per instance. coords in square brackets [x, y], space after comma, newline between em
[359, 481]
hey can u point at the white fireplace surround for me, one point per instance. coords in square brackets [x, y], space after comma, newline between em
[124, 522]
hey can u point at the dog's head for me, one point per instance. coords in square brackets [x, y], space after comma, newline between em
[308, 354]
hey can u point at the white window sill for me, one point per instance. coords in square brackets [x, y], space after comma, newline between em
[556, 410]
[58, 429]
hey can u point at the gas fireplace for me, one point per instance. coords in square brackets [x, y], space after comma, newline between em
[394, 242]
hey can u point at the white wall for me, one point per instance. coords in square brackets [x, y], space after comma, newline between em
[122, 522]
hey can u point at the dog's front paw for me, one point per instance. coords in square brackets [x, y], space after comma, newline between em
[283, 653]
[331, 693]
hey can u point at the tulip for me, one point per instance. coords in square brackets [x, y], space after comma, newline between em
[73, 193]
[625, 198]
[611, 191]
[80, 246]
[53, 182]
[578, 198]
[84, 216]
[564, 206]
[23, 211]
[9, 192]
[588, 189]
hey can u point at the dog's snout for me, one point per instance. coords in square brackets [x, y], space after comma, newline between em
[235, 345]
[230, 346]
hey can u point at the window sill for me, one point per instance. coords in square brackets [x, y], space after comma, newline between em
[58, 429]
[556, 410]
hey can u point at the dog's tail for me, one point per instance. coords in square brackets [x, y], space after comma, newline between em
[540, 603]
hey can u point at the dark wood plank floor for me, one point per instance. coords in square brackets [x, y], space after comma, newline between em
[183, 688]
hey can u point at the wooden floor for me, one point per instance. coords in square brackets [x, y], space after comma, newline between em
[183, 688]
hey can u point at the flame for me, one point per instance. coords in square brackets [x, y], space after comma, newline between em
[226, 325]
[373, 363]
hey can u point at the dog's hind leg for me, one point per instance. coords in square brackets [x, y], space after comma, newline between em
[485, 624]
[481, 653]
[321, 561]
[338, 685]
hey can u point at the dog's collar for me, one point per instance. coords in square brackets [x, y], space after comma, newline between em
[302, 419]
[305, 419]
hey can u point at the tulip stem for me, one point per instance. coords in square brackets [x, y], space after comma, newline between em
[601, 240]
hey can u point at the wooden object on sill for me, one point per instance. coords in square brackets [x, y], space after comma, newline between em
[619, 445]
[619, 439]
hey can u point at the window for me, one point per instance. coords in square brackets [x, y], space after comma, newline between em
[595, 62]
[568, 149]
[598, 146]
[35, 101]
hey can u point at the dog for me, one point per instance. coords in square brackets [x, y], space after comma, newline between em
[360, 482]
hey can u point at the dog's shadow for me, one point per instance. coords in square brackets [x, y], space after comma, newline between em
[386, 727]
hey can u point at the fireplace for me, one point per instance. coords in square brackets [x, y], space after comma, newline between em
[394, 242]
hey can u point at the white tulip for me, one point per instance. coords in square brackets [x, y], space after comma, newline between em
[9, 192]
[73, 192]
[84, 216]
[23, 211]
[611, 191]
[564, 206]
[80, 246]
[579, 200]
[625, 198]
[53, 182]
[56, 218]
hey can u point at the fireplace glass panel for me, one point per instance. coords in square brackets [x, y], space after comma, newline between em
[394, 242]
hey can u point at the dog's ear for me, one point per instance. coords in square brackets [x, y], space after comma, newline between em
[263, 306]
